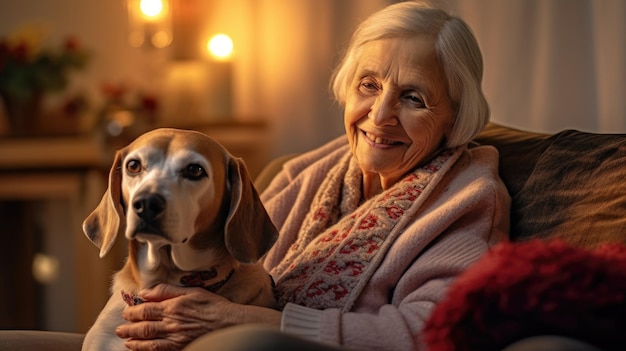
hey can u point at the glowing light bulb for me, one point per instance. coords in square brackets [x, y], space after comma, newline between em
[151, 8]
[220, 46]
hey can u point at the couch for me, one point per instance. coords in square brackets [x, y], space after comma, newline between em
[568, 186]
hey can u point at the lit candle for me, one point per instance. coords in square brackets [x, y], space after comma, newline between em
[220, 76]
[149, 19]
[151, 9]
[201, 91]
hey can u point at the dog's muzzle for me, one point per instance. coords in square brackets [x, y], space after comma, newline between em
[150, 208]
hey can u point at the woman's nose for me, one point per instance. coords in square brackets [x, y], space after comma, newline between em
[383, 111]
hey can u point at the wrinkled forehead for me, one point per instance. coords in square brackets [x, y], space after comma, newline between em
[393, 54]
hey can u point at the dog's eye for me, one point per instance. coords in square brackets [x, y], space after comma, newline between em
[193, 171]
[133, 166]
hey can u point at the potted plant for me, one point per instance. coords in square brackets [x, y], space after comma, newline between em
[29, 70]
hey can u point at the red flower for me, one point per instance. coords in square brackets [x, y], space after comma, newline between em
[349, 248]
[149, 103]
[113, 92]
[319, 214]
[329, 237]
[394, 212]
[27, 70]
[373, 246]
[368, 222]
[71, 44]
[333, 267]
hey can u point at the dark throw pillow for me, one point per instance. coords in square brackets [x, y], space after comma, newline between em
[571, 184]
[533, 288]
[576, 191]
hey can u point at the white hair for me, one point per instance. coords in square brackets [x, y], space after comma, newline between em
[457, 50]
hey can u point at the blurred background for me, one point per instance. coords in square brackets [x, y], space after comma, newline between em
[80, 78]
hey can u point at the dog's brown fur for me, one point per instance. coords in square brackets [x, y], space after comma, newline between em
[229, 232]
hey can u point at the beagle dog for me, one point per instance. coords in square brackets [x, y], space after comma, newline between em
[192, 218]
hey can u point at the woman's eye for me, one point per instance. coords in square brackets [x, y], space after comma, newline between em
[368, 86]
[133, 166]
[194, 171]
[414, 100]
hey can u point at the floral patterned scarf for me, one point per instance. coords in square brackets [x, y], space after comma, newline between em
[342, 241]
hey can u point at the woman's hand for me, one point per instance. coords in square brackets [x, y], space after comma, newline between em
[173, 316]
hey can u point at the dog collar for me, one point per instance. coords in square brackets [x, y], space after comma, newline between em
[195, 279]
[198, 279]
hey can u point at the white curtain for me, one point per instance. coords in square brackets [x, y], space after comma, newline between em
[552, 64]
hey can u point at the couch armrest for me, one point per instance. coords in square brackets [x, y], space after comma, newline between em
[28, 340]
[270, 171]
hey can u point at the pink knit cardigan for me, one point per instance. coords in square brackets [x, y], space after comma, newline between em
[466, 213]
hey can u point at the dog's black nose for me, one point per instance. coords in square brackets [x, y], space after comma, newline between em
[149, 206]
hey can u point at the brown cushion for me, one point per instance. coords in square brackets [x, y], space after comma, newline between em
[570, 185]
[29, 340]
[519, 151]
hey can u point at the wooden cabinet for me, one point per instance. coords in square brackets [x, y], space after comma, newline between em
[47, 187]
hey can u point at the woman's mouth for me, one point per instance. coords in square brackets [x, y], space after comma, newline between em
[376, 140]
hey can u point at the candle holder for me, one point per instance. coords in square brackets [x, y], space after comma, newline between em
[201, 90]
[149, 23]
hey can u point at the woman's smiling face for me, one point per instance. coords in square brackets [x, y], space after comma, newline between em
[397, 110]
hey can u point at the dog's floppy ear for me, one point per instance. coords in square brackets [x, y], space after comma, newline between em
[249, 231]
[104, 224]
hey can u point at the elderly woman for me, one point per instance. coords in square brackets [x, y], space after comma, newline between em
[375, 225]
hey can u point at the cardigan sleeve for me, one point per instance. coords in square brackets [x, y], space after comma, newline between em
[391, 326]
[397, 325]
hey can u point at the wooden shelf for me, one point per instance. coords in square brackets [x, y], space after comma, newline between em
[242, 139]
[53, 152]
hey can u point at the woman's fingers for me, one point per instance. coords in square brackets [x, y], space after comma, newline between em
[162, 335]
[147, 311]
[178, 316]
[159, 302]
[140, 330]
